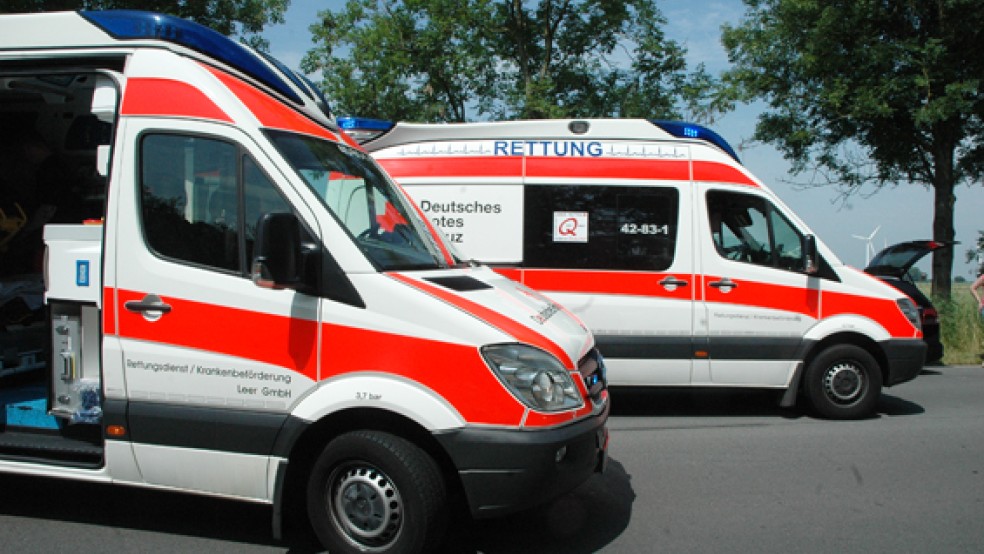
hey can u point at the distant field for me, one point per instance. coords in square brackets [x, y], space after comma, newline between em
[962, 329]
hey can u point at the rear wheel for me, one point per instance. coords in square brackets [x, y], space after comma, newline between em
[843, 382]
[371, 491]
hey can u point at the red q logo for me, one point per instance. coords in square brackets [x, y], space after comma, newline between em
[568, 227]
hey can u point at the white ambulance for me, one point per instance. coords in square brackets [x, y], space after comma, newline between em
[688, 269]
[206, 287]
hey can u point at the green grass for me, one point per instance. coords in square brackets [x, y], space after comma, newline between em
[961, 326]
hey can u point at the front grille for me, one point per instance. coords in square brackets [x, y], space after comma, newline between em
[592, 369]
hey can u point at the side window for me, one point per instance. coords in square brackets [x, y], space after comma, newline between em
[193, 192]
[749, 229]
[188, 200]
[600, 227]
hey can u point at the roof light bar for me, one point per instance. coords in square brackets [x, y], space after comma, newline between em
[364, 129]
[141, 25]
[694, 131]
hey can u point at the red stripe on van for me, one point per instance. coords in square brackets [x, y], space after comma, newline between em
[884, 311]
[801, 300]
[109, 311]
[453, 167]
[720, 173]
[226, 330]
[456, 372]
[166, 97]
[611, 168]
[505, 324]
[602, 282]
[565, 168]
[269, 111]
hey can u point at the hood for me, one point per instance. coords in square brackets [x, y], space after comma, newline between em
[510, 307]
[896, 260]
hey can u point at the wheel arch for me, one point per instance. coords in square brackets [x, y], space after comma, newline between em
[310, 442]
[856, 339]
[813, 348]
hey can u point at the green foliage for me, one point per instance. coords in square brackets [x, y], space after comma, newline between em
[961, 327]
[441, 60]
[869, 92]
[976, 254]
[245, 18]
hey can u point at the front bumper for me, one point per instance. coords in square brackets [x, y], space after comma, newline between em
[906, 358]
[504, 470]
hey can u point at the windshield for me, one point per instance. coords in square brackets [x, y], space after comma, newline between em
[363, 199]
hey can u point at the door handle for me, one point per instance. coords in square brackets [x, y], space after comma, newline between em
[151, 305]
[671, 281]
[724, 283]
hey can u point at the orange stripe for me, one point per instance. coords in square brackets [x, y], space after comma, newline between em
[270, 112]
[278, 340]
[453, 167]
[456, 372]
[589, 168]
[505, 324]
[109, 311]
[165, 97]
[605, 282]
[802, 300]
[720, 173]
[612, 168]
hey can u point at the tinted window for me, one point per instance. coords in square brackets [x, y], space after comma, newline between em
[193, 192]
[600, 227]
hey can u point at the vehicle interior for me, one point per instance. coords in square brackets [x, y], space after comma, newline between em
[53, 153]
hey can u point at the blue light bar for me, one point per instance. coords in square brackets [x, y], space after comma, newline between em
[694, 131]
[363, 129]
[363, 123]
[138, 25]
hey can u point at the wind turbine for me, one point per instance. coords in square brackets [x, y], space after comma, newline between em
[869, 249]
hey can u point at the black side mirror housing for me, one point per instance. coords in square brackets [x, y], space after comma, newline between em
[277, 252]
[811, 258]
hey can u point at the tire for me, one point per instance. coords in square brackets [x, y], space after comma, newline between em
[843, 382]
[374, 492]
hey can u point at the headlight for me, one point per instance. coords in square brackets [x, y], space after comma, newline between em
[536, 378]
[911, 312]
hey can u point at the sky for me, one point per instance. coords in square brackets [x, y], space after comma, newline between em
[899, 213]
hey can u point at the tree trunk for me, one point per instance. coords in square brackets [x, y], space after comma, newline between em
[943, 231]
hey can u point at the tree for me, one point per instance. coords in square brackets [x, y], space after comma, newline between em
[447, 60]
[976, 254]
[866, 92]
[245, 18]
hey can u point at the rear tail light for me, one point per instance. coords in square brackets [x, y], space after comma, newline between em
[930, 315]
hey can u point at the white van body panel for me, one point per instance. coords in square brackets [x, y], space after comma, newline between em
[227, 474]
[381, 391]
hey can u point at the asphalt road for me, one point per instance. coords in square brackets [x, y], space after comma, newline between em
[690, 472]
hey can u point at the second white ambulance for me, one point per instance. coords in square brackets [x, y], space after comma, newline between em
[688, 269]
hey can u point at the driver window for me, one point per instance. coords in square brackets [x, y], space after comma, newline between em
[749, 229]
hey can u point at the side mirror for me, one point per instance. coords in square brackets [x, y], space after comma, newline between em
[277, 252]
[811, 259]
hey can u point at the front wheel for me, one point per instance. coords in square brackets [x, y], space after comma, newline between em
[843, 382]
[375, 492]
